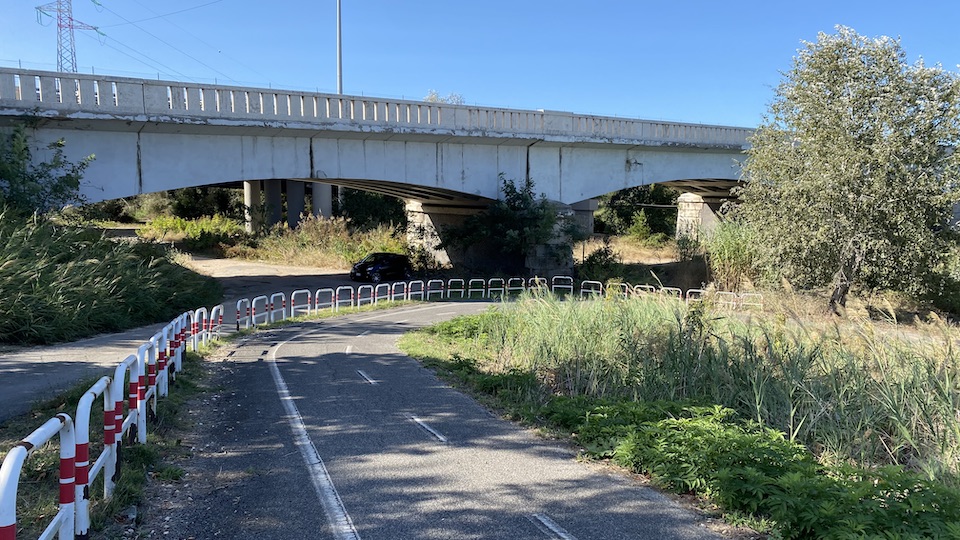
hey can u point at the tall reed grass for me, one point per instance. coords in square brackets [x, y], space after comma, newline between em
[62, 283]
[850, 393]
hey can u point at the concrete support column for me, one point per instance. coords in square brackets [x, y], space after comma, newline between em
[322, 200]
[695, 217]
[253, 204]
[273, 193]
[295, 202]
[583, 212]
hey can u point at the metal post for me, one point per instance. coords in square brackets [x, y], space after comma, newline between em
[339, 54]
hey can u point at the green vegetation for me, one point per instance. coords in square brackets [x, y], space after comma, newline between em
[204, 233]
[63, 283]
[727, 408]
[730, 252]
[366, 211]
[513, 226]
[27, 188]
[852, 178]
[327, 243]
[643, 212]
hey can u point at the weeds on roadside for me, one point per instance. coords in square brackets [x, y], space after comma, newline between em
[61, 283]
[727, 407]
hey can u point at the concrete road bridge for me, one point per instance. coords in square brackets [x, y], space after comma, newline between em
[443, 159]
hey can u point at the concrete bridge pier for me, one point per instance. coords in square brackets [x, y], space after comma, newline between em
[296, 198]
[696, 216]
[322, 200]
[263, 200]
[253, 204]
[273, 199]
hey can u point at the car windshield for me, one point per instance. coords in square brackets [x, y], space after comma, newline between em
[373, 257]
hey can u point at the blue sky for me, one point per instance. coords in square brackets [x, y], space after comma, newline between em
[705, 62]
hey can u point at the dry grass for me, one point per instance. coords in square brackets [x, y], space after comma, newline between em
[630, 251]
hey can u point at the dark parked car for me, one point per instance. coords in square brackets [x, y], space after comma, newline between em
[377, 267]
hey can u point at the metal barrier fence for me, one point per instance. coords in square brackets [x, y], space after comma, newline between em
[147, 375]
[144, 379]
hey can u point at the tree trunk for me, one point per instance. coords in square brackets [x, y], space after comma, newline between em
[844, 278]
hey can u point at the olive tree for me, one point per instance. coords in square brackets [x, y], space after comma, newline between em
[851, 176]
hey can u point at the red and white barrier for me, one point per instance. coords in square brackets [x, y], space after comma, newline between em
[304, 304]
[105, 462]
[63, 522]
[282, 298]
[591, 288]
[416, 288]
[516, 285]
[496, 287]
[562, 284]
[364, 295]
[434, 287]
[264, 304]
[243, 313]
[338, 299]
[402, 293]
[477, 285]
[458, 286]
[381, 292]
[324, 293]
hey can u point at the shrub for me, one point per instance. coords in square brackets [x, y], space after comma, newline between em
[730, 255]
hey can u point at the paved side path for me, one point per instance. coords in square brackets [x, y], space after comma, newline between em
[32, 374]
[362, 442]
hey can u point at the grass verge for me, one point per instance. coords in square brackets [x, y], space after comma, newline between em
[727, 409]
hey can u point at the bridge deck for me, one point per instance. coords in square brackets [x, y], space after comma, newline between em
[98, 97]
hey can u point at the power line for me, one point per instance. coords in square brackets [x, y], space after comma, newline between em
[199, 39]
[145, 31]
[162, 16]
[162, 67]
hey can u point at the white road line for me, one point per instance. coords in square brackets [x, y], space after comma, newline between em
[340, 522]
[367, 333]
[349, 349]
[432, 431]
[366, 377]
[550, 527]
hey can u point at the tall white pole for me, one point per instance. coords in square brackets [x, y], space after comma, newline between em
[339, 54]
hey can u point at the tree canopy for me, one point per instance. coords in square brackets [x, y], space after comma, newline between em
[852, 175]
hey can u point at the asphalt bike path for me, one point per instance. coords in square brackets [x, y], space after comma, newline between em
[329, 431]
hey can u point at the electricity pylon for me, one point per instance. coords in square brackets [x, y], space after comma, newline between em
[66, 45]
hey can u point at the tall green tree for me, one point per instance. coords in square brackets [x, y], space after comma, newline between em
[852, 175]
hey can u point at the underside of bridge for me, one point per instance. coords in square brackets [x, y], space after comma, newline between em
[431, 209]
